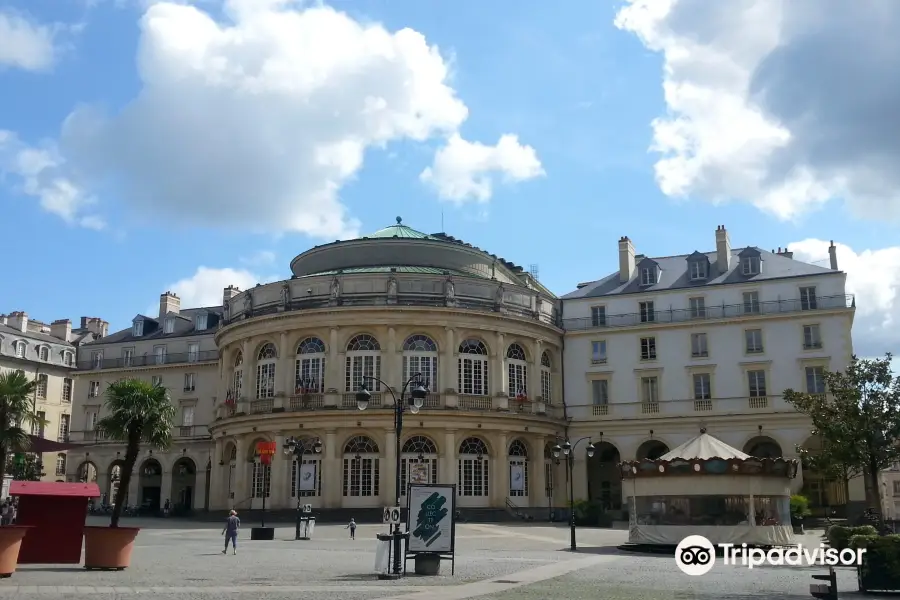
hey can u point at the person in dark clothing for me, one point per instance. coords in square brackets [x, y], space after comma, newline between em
[352, 527]
[232, 526]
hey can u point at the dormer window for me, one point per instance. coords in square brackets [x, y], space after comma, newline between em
[169, 325]
[699, 270]
[137, 329]
[19, 348]
[750, 265]
[200, 322]
[45, 353]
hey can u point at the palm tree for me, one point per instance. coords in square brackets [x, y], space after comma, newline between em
[16, 411]
[137, 411]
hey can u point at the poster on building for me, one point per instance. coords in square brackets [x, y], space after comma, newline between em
[431, 518]
[517, 478]
[418, 473]
[308, 477]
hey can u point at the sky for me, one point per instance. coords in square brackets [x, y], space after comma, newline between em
[148, 146]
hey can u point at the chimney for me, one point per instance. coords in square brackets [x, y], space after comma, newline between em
[95, 325]
[785, 253]
[61, 329]
[2, 319]
[723, 249]
[832, 255]
[626, 259]
[168, 302]
[229, 293]
[18, 320]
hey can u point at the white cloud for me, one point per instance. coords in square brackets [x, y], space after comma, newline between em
[25, 44]
[466, 170]
[41, 173]
[205, 286]
[873, 276]
[259, 258]
[258, 120]
[785, 104]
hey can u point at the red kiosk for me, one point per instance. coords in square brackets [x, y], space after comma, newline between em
[56, 512]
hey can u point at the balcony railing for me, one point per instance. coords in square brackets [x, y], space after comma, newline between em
[190, 431]
[63, 439]
[149, 360]
[677, 408]
[92, 435]
[307, 402]
[710, 313]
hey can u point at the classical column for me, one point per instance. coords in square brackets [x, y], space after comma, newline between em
[241, 489]
[389, 468]
[498, 374]
[332, 369]
[500, 470]
[165, 488]
[537, 481]
[285, 375]
[449, 370]
[534, 371]
[280, 484]
[332, 474]
[215, 491]
[450, 467]
[391, 371]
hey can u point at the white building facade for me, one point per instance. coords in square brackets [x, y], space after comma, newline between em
[669, 345]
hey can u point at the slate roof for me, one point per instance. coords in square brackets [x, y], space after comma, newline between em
[674, 274]
[8, 331]
[397, 268]
[153, 327]
[398, 231]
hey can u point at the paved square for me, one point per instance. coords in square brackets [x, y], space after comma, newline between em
[179, 559]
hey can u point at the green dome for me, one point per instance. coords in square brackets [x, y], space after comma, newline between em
[399, 231]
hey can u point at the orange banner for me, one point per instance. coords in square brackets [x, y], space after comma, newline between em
[265, 448]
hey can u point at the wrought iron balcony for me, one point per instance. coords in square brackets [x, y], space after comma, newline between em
[709, 312]
[149, 360]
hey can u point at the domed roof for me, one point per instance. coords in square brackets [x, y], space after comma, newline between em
[399, 231]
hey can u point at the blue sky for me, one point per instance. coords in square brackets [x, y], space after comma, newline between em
[141, 141]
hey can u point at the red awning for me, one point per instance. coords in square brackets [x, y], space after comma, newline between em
[40, 445]
[51, 488]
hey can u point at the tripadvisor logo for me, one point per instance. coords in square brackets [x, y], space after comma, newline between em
[696, 555]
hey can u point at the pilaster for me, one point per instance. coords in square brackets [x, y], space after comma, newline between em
[216, 492]
[391, 368]
[537, 479]
[389, 468]
[285, 371]
[331, 471]
[534, 371]
[500, 470]
[449, 383]
[450, 470]
[332, 373]
[241, 489]
[165, 486]
[281, 483]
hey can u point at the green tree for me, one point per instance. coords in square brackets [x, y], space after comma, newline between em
[137, 412]
[25, 467]
[857, 422]
[17, 414]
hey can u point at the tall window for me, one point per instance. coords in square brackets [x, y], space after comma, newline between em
[361, 457]
[265, 371]
[37, 428]
[598, 352]
[45, 353]
[67, 390]
[699, 345]
[808, 298]
[600, 392]
[418, 462]
[815, 380]
[753, 341]
[546, 378]
[473, 368]
[96, 358]
[363, 361]
[309, 368]
[598, 316]
[647, 312]
[187, 416]
[127, 357]
[60, 464]
[648, 348]
[68, 359]
[649, 390]
[517, 369]
[261, 482]
[42, 386]
[63, 428]
[751, 303]
[756, 383]
[518, 469]
[193, 351]
[702, 386]
[159, 352]
[189, 382]
[306, 478]
[473, 468]
[237, 380]
[420, 355]
[698, 307]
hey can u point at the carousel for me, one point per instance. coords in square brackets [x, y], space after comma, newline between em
[706, 487]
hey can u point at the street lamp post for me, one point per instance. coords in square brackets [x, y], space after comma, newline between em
[296, 448]
[567, 449]
[416, 400]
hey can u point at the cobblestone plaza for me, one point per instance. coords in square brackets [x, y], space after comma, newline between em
[177, 559]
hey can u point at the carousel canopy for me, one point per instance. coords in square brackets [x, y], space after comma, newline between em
[704, 446]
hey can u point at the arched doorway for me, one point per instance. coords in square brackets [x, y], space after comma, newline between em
[763, 446]
[184, 482]
[651, 450]
[361, 472]
[604, 482]
[87, 472]
[517, 463]
[418, 462]
[150, 485]
[473, 473]
[824, 493]
[115, 476]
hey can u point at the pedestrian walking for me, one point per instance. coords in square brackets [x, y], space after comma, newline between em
[352, 527]
[232, 526]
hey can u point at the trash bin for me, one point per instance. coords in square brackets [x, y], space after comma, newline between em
[383, 553]
[307, 526]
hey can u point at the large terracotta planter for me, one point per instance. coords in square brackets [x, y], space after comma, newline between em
[108, 548]
[10, 542]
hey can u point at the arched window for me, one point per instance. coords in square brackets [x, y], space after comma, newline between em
[473, 468]
[261, 477]
[361, 467]
[420, 355]
[546, 378]
[265, 372]
[237, 380]
[68, 359]
[518, 469]
[45, 353]
[232, 465]
[309, 369]
[419, 459]
[363, 362]
[19, 347]
[60, 464]
[549, 462]
[306, 477]
[473, 368]
[518, 371]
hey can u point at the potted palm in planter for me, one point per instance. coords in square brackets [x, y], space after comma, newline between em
[136, 412]
[799, 511]
[16, 413]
